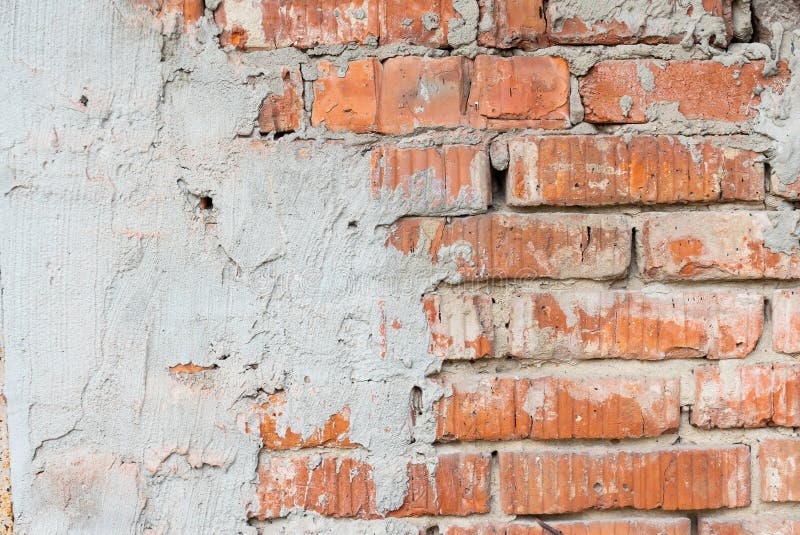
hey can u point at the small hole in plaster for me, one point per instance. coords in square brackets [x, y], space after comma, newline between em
[278, 135]
[206, 203]
[433, 530]
[416, 402]
[352, 224]
[83, 100]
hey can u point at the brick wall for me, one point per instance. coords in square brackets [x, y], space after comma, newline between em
[616, 329]
[596, 265]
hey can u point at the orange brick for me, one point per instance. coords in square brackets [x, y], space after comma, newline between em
[418, 22]
[271, 24]
[277, 436]
[719, 246]
[755, 396]
[779, 460]
[625, 91]
[192, 10]
[347, 100]
[607, 170]
[550, 408]
[520, 92]
[344, 488]
[282, 113]
[423, 92]
[678, 526]
[634, 325]
[444, 180]
[461, 325]
[555, 246]
[761, 525]
[459, 487]
[552, 482]
[647, 21]
[514, 24]
[786, 321]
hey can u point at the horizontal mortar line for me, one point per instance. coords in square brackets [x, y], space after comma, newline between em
[608, 368]
[317, 133]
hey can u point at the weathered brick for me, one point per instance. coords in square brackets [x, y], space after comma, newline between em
[552, 482]
[520, 92]
[270, 24]
[678, 526]
[647, 21]
[550, 408]
[634, 325]
[282, 112]
[786, 321]
[754, 396]
[344, 488]
[784, 188]
[461, 325]
[347, 100]
[444, 180]
[719, 246]
[608, 170]
[555, 246]
[192, 10]
[627, 91]
[512, 24]
[772, 524]
[779, 460]
[277, 434]
[418, 22]
[423, 92]
[459, 487]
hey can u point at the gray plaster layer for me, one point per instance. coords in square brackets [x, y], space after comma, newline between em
[112, 273]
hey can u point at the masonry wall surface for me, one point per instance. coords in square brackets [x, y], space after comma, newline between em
[452, 267]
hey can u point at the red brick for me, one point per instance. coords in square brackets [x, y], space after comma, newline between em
[634, 325]
[761, 525]
[685, 84]
[459, 487]
[423, 92]
[608, 170]
[270, 24]
[520, 92]
[678, 526]
[551, 482]
[280, 436]
[350, 101]
[786, 321]
[753, 396]
[444, 180]
[555, 246]
[418, 22]
[515, 24]
[344, 488]
[461, 325]
[719, 246]
[779, 460]
[550, 408]
[781, 188]
[648, 21]
[191, 10]
[282, 113]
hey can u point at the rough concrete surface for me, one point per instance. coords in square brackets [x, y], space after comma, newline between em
[114, 125]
